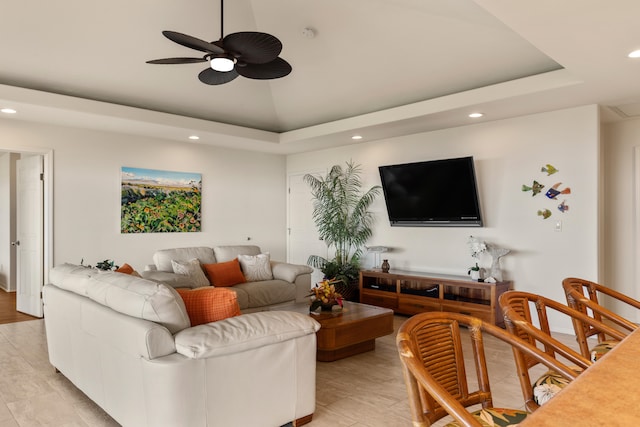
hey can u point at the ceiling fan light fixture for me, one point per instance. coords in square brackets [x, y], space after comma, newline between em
[249, 54]
[223, 63]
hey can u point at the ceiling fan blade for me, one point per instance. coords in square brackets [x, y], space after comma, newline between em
[212, 77]
[253, 47]
[176, 61]
[192, 42]
[271, 70]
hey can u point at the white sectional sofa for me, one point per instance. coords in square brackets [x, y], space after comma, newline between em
[127, 343]
[290, 283]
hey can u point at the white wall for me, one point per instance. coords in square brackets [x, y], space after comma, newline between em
[243, 192]
[507, 154]
[621, 251]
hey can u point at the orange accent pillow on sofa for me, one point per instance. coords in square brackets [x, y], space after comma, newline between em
[209, 304]
[125, 268]
[224, 273]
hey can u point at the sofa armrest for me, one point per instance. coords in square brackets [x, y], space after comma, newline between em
[298, 274]
[242, 333]
[288, 272]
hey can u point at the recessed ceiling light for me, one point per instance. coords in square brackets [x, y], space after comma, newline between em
[634, 54]
[8, 111]
[194, 137]
[356, 137]
[475, 115]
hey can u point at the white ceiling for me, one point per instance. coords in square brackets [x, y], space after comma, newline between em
[379, 68]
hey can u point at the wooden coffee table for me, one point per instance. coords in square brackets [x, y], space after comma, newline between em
[348, 332]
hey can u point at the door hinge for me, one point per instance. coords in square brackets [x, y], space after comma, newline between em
[41, 177]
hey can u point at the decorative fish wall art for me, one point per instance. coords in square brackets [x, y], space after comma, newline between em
[552, 193]
[535, 188]
[562, 207]
[544, 213]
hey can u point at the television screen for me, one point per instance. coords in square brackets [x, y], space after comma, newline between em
[435, 193]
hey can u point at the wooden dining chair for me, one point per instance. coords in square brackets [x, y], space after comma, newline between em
[431, 349]
[584, 295]
[517, 307]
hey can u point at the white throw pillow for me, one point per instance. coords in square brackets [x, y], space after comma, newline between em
[256, 267]
[192, 269]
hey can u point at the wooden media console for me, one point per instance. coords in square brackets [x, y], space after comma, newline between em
[410, 293]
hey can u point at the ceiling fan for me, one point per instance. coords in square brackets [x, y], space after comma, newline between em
[249, 54]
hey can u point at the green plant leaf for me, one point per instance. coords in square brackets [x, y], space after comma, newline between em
[342, 217]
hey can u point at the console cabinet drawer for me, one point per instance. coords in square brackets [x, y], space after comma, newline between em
[417, 305]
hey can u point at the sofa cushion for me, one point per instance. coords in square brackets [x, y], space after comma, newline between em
[224, 273]
[267, 292]
[205, 305]
[256, 267]
[139, 298]
[192, 269]
[227, 253]
[162, 258]
[241, 295]
[242, 333]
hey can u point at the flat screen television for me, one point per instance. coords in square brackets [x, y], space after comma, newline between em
[436, 193]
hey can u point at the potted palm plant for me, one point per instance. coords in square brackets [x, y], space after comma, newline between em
[342, 217]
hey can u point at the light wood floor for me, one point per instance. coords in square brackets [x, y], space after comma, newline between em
[366, 390]
[8, 313]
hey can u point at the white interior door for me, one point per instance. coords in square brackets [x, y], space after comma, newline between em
[30, 232]
[303, 236]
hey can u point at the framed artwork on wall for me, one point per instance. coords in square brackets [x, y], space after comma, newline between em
[156, 201]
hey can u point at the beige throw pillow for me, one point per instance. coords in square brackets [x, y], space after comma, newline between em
[256, 267]
[192, 269]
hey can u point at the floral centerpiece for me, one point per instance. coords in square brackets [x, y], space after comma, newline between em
[324, 295]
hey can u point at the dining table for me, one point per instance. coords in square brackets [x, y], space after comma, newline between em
[605, 394]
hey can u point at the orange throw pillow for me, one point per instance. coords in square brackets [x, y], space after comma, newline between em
[208, 304]
[125, 268]
[224, 273]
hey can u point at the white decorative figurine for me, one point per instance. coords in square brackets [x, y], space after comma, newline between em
[495, 273]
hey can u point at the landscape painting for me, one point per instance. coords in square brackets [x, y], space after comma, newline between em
[155, 201]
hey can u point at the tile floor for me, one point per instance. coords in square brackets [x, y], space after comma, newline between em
[366, 390]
